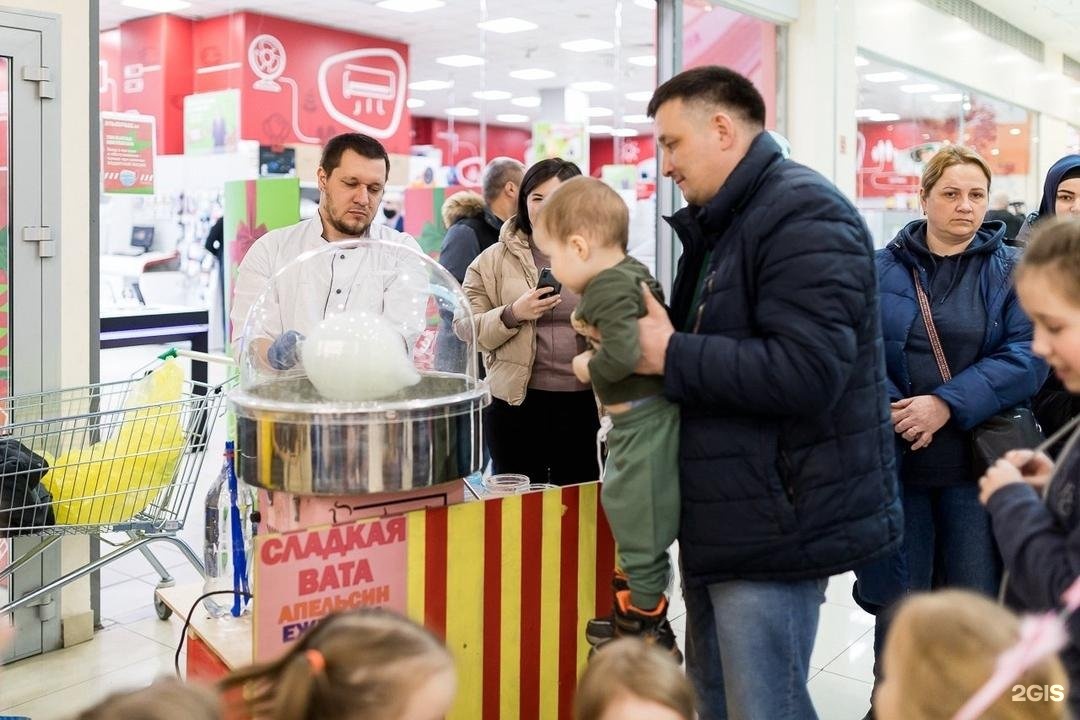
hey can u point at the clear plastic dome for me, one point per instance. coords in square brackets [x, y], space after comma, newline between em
[362, 321]
[359, 360]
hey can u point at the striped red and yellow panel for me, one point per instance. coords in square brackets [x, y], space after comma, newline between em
[510, 583]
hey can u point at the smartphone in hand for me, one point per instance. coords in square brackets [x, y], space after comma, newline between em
[547, 279]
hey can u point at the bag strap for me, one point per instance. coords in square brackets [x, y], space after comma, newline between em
[931, 329]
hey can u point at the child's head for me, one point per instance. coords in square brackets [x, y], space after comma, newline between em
[631, 680]
[583, 221]
[942, 647]
[369, 664]
[1048, 284]
[166, 699]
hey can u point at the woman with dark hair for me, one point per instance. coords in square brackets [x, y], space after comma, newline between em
[542, 421]
[1061, 195]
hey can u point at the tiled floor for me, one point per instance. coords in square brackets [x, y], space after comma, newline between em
[134, 646]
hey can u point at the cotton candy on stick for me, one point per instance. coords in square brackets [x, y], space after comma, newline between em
[357, 356]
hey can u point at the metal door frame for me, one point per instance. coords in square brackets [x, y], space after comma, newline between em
[31, 41]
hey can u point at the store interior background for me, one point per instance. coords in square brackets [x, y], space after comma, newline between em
[863, 90]
[236, 94]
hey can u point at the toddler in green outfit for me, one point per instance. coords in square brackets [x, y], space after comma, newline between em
[583, 228]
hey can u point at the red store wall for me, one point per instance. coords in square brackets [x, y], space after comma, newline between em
[299, 83]
[145, 67]
[463, 139]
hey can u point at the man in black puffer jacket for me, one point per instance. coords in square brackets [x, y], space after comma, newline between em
[773, 350]
[469, 237]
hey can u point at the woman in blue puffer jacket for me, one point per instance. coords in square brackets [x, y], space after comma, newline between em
[965, 270]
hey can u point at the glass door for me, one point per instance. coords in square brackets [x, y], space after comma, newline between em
[29, 280]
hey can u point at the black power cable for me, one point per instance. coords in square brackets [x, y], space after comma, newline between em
[191, 613]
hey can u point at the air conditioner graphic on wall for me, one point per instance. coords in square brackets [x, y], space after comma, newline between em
[363, 89]
[372, 84]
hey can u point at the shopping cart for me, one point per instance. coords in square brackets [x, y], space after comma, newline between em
[127, 467]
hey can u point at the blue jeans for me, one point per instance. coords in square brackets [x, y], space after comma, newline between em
[763, 632]
[948, 542]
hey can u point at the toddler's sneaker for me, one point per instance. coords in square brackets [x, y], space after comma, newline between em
[599, 630]
[650, 625]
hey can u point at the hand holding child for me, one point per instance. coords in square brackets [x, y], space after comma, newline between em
[584, 329]
[654, 333]
[581, 366]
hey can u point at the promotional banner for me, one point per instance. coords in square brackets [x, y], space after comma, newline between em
[211, 122]
[304, 575]
[127, 153]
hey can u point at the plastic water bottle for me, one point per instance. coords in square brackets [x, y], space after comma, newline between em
[230, 528]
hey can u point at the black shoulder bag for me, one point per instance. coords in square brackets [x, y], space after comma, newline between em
[1007, 430]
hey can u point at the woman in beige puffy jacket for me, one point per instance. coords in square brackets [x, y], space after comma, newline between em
[542, 422]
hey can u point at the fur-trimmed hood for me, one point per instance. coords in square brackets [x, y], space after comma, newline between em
[462, 205]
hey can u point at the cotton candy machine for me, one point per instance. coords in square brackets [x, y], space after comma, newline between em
[354, 377]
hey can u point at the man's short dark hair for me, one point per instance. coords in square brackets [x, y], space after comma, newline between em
[498, 172]
[361, 144]
[714, 85]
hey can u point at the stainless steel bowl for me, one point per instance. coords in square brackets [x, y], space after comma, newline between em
[289, 438]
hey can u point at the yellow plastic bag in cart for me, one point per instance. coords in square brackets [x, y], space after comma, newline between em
[112, 480]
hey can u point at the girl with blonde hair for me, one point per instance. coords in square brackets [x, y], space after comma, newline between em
[369, 664]
[1040, 538]
[629, 679]
[166, 699]
[943, 646]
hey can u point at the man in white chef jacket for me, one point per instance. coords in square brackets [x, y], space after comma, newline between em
[368, 277]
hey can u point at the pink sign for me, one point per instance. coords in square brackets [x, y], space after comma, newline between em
[303, 576]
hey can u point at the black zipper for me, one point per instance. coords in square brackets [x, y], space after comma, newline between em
[701, 302]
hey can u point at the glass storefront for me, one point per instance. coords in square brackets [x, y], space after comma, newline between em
[905, 116]
[716, 35]
[445, 86]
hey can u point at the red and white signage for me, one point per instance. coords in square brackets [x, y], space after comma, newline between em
[303, 576]
[127, 153]
[304, 83]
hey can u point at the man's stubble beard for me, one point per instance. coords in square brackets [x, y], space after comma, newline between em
[344, 229]
[340, 227]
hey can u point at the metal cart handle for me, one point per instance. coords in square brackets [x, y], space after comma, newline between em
[192, 354]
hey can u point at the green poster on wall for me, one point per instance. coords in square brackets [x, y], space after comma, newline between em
[211, 122]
